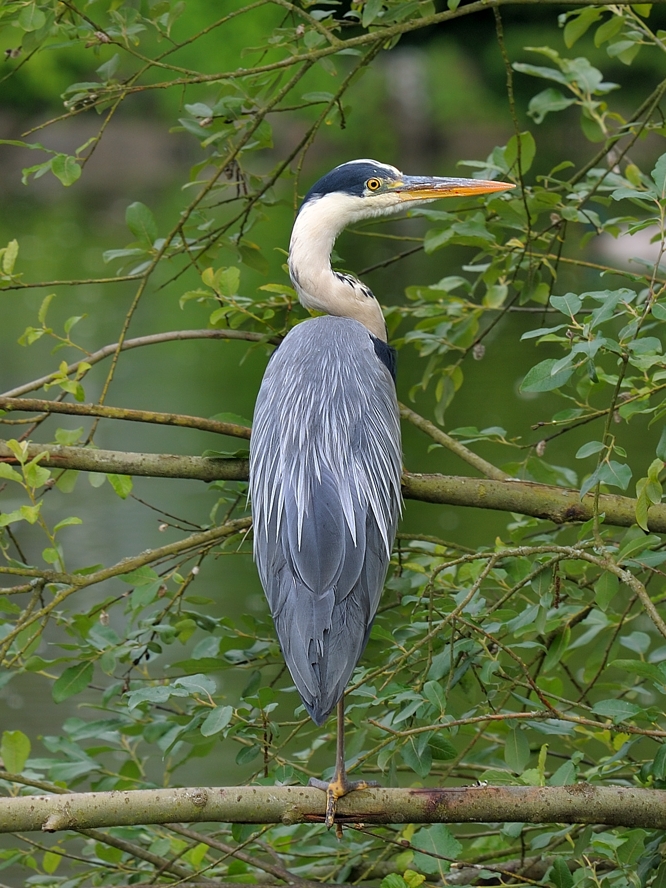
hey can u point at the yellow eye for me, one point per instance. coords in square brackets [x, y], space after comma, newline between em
[373, 184]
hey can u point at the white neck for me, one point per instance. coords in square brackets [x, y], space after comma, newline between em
[318, 286]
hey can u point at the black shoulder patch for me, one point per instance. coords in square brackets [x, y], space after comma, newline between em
[386, 354]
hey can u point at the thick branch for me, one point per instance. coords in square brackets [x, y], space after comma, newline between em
[117, 462]
[579, 803]
[557, 504]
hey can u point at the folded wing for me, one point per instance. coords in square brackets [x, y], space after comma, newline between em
[325, 469]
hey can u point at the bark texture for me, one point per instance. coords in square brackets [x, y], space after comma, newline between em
[578, 803]
[558, 504]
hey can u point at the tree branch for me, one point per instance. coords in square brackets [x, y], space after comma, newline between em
[154, 465]
[578, 803]
[154, 339]
[558, 504]
[471, 458]
[173, 419]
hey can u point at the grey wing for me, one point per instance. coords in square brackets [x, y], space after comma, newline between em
[325, 504]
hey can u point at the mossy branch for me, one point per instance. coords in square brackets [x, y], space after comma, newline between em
[578, 803]
[558, 504]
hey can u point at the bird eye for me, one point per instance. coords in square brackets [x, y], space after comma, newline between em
[373, 184]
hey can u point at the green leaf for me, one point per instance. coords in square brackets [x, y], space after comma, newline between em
[9, 474]
[660, 879]
[142, 576]
[516, 750]
[108, 69]
[612, 473]
[36, 475]
[605, 589]
[72, 681]
[252, 256]
[659, 175]
[65, 168]
[435, 839]
[155, 694]
[522, 144]
[68, 437]
[51, 861]
[616, 710]
[145, 594]
[559, 875]
[141, 223]
[195, 684]
[417, 756]
[578, 25]
[122, 484]
[247, 754]
[31, 18]
[569, 304]
[441, 748]
[227, 281]
[30, 513]
[217, 720]
[608, 29]
[547, 101]
[51, 556]
[67, 479]
[71, 322]
[661, 446]
[371, 10]
[637, 545]
[540, 378]
[659, 763]
[589, 448]
[556, 650]
[9, 256]
[14, 750]
[640, 667]
[540, 71]
[565, 775]
[433, 691]
[44, 307]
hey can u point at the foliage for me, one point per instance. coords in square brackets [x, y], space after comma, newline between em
[537, 659]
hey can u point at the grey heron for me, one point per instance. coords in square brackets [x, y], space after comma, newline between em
[325, 454]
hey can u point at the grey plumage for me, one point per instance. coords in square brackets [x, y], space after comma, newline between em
[325, 458]
[325, 466]
[325, 454]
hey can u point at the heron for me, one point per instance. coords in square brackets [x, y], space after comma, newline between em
[325, 453]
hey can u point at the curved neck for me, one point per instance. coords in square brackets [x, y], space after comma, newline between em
[318, 286]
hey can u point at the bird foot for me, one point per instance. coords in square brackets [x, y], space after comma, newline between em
[340, 786]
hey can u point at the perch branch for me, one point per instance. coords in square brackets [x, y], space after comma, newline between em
[578, 803]
[558, 504]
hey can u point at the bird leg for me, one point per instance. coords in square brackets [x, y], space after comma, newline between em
[340, 785]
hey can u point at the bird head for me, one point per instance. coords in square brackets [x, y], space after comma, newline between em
[361, 189]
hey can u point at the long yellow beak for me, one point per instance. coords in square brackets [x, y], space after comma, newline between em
[432, 187]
